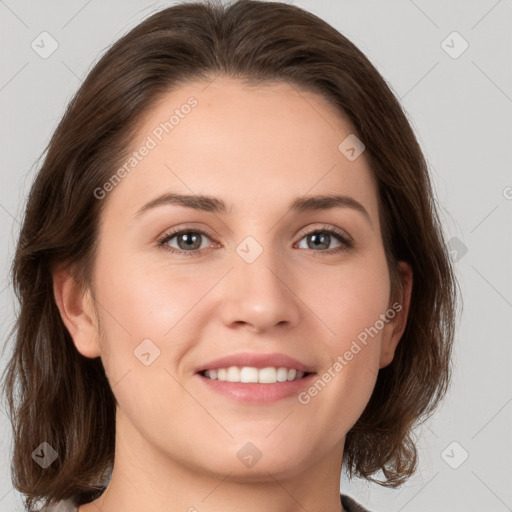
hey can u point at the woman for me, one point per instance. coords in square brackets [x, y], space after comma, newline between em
[231, 273]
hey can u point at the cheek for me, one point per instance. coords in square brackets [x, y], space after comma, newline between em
[149, 315]
[350, 305]
[350, 300]
[143, 325]
[147, 303]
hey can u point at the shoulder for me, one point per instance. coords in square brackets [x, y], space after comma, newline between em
[351, 505]
[59, 506]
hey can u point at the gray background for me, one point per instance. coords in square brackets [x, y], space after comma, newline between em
[460, 109]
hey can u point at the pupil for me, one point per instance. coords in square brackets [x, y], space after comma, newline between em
[320, 235]
[190, 240]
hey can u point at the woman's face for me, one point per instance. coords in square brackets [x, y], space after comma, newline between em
[245, 280]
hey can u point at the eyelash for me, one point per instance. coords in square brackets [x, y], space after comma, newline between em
[346, 243]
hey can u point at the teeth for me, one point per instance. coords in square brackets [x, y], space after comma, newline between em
[267, 375]
[233, 374]
[249, 374]
[282, 374]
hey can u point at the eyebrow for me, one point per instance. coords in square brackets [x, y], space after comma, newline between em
[215, 205]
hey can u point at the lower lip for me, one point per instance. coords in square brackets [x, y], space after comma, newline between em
[258, 393]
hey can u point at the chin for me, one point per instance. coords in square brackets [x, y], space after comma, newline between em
[251, 464]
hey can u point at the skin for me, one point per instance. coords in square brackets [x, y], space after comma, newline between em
[257, 148]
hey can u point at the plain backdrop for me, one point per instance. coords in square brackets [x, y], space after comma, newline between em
[449, 62]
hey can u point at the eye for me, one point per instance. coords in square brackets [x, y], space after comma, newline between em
[189, 241]
[323, 237]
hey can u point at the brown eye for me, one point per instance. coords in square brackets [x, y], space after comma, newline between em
[187, 241]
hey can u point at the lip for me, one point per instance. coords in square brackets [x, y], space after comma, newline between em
[256, 360]
[254, 392]
[258, 393]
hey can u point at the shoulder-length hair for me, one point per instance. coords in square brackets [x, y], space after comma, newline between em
[60, 397]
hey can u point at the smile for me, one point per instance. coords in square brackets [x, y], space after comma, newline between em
[249, 374]
[258, 378]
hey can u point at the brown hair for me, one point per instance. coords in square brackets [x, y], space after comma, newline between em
[64, 398]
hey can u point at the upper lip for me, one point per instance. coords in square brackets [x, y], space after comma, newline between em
[256, 360]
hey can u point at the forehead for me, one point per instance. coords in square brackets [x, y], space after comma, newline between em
[252, 146]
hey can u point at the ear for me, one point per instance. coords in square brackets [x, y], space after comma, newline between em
[78, 314]
[396, 326]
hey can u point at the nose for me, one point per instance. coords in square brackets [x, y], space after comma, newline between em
[260, 295]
